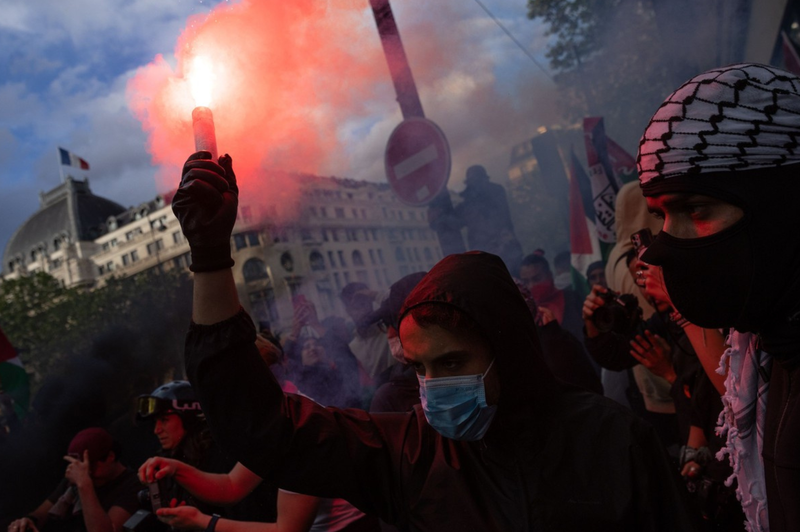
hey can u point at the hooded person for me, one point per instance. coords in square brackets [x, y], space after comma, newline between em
[497, 443]
[720, 162]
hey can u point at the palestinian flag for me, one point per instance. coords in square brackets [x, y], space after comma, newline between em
[609, 167]
[584, 244]
[13, 378]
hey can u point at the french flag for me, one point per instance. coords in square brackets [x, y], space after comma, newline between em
[70, 159]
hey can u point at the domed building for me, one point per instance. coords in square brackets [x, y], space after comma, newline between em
[59, 237]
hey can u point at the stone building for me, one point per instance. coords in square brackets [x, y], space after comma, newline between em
[338, 231]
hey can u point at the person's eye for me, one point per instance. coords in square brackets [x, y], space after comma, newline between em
[451, 365]
[659, 215]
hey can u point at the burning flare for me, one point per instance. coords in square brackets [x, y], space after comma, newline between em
[201, 81]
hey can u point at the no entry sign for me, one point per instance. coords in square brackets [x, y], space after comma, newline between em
[417, 161]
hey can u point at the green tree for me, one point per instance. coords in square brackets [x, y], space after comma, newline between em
[610, 59]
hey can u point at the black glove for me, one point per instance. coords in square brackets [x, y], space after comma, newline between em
[205, 205]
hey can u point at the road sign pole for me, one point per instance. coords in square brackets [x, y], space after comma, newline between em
[441, 213]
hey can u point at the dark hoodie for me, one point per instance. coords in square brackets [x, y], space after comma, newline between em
[555, 458]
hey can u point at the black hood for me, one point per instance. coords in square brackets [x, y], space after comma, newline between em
[479, 285]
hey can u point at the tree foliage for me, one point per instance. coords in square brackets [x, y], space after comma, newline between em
[612, 59]
[48, 323]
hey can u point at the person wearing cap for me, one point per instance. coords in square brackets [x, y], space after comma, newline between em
[98, 493]
[720, 163]
[369, 344]
[400, 392]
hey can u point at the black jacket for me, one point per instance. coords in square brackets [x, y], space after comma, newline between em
[555, 458]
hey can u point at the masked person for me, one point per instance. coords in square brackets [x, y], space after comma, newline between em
[496, 444]
[719, 163]
[98, 493]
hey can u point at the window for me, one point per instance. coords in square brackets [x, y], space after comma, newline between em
[313, 211]
[412, 215]
[409, 256]
[374, 234]
[252, 238]
[317, 261]
[324, 235]
[380, 256]
[154, 247]
[125, 259]
[331, 259]
[398, 255]
[335, 234]
[177, 237]
[357, 259]
[372, 257]
[416, 254]
[339, 212]
[366, 235]
[338, 281]
[254, 269]
[56, 244]
[323, 211]
[305, 235]
[134, 255]
[346, 277]
[355, 212]
[341, 259]
[400, 214]
[364, 214]
[105, 246]
[110, 266]
[427, 253]
[239, 241]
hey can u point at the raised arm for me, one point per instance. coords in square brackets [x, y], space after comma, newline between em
[303, 446]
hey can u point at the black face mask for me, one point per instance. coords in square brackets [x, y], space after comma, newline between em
[709, 279]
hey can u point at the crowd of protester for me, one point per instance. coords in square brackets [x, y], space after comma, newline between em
[491, 393]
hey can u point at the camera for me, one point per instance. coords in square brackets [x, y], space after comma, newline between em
[151, 497]
[145, 520]
[620, 314]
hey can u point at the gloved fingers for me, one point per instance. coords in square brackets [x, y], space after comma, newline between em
[216, 181]
[202, 154]
[203, 166]
[198, 191]
[226, 162]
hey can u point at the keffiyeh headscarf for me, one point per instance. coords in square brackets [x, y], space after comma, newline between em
[736, 118]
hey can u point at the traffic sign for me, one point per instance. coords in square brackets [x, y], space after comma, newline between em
[417, 161]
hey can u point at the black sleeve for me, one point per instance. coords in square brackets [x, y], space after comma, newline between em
[611, 351]
[292, 440]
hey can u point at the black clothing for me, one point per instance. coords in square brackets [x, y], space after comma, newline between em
[486, 215]
[122, 492]
[781, 445]
[554, 458]
[567, 359]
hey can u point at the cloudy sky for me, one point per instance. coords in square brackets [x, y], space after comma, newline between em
[66, 67]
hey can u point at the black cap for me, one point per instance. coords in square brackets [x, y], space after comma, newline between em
[389, 311]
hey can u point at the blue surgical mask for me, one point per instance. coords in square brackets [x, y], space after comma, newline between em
[456, 406]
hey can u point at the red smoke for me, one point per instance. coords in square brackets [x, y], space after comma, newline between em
[290, 74]
[286, 74]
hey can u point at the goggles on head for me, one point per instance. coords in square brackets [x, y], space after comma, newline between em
[147, 405]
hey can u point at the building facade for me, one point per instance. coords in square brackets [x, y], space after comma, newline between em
[339, 231]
